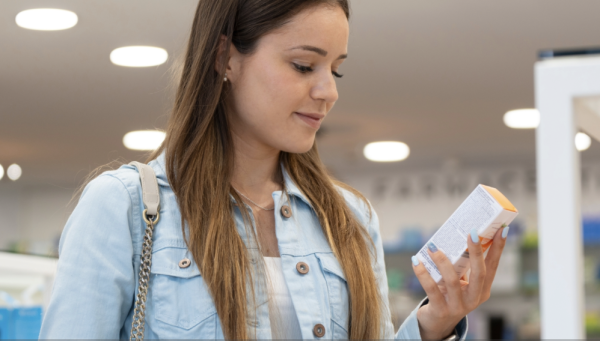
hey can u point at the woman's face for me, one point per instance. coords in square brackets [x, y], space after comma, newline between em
[292, 72]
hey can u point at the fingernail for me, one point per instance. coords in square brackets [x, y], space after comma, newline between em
[415, 260]
[432, 247]
[474, 236]
[505, 232]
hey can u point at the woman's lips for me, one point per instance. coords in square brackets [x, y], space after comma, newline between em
[313, 122]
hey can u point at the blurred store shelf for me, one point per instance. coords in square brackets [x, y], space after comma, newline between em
[26, 280]
[25, 287]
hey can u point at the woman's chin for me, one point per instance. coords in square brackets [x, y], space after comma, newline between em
[299, 147]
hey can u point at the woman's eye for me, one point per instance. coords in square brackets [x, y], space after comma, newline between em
[337, 74]
[305, 69]
[302, 68]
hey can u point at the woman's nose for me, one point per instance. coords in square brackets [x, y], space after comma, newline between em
[325, 89]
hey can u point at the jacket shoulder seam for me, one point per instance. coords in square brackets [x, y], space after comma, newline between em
[133, 218]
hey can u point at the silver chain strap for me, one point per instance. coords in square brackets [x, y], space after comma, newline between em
[139, 312]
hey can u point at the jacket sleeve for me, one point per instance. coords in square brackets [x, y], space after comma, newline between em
[409, 330]
[94, 287]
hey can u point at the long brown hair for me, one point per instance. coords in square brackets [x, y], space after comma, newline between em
[199, 162]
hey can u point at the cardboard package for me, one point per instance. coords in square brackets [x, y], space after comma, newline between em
[485, 209]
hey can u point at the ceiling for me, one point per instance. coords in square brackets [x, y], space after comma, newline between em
[437, 75]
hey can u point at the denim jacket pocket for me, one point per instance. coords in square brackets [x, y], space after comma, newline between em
[339, 297]
[180, 297]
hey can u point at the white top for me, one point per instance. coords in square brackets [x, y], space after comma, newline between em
[284, 321]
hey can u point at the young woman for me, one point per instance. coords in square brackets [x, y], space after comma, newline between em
[255, 239]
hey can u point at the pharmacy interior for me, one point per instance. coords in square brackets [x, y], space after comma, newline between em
[436, 99]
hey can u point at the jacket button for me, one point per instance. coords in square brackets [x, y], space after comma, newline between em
[286, 211]
[319, 330]
[184, 263]
[302, 268]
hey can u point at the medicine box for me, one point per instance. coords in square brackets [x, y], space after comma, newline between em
[485, 209]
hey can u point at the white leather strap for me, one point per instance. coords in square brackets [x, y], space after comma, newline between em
[150, 195]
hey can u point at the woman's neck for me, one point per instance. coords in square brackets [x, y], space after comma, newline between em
[257, 175]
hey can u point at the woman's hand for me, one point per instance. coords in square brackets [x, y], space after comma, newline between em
[453, 298]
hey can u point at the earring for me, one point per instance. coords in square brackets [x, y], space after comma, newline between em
[225, 78]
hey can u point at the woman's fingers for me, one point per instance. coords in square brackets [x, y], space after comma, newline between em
[449, 275]
[463, 286]
[429, 285]
[450, 289]
[492, 260]
[478, 269]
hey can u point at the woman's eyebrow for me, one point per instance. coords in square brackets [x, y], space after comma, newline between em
[318, 50]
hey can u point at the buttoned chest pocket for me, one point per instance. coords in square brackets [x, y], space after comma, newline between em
[339, 298]
[181, 303]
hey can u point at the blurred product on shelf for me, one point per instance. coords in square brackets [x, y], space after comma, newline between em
[46, 247]
[496, 327]
[530, 240]
[507, 276]
[477, 325]
[414, 286]
[5, 324]
[530, 327]
[20, 323]
[591, 230]
[409, 239]
[592, 324]
[400, 306]
[531, 282]
[395, 279]
[25, 286]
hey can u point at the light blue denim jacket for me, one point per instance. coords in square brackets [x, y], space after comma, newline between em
[100, 247]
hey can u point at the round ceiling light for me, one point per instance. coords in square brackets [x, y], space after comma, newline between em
[582, 141]
[14, 172]
[46, 19]
[143, 139]
[1, 172]
[138, 56]
[386, 151]
[522, 119]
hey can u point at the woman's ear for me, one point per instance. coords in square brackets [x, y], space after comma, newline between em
[221, 57]
[229, 63]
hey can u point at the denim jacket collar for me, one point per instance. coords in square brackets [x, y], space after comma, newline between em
[290, 185]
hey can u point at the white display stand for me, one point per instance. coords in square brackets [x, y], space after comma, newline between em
[20, 272]
[567, 92]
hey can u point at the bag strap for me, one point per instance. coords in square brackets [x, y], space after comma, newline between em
[149, 188]
[151, 199]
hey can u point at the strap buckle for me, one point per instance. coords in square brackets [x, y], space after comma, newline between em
[148, 218]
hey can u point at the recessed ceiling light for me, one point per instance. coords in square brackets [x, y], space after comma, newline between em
[14, 172]
[138, 56]
[1, 172]
[46, 19]
[582, 141]
[143, 139]
[386, 151]
[522, 119]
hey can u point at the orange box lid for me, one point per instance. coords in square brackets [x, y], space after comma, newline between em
[500, 198]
